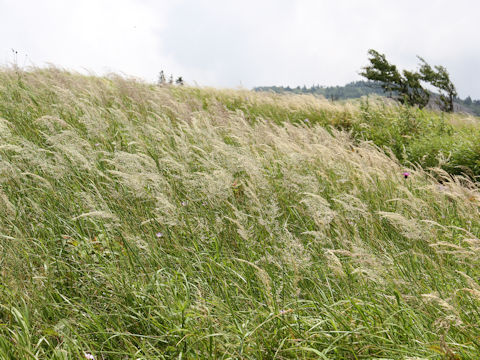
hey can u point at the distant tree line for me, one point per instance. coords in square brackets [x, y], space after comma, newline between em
[351, 90]
[472, 105]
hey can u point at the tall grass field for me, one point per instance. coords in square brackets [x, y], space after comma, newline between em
[147, 222]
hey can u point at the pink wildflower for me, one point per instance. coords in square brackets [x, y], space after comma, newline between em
[406, 174]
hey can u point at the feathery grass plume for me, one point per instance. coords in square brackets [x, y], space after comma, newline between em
[294, 253]
[334, 263]
[444, 247]
[353, 208]
[52, 124]
[451, 318]
[241, 220]
[473, 244]
[319, 209]
[74, 149]
[28, 156]
[96, 214]
[166, 211]
[5, 132]
[409, 228]
[8, 171]
[7, 208]
[137, 172]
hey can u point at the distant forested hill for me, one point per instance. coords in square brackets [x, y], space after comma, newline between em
[357, 89]
[352, 90]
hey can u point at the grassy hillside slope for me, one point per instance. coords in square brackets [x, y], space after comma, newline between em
[139, 222]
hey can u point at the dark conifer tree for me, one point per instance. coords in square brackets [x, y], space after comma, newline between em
[161, 78]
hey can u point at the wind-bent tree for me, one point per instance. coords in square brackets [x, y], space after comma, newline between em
[381, 71]
[439, 78]
[406, 87]
[412, 89]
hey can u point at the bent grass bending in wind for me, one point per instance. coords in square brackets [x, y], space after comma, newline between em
[146, 223]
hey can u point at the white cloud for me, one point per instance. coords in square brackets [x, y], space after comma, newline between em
[103, 36]
[262, 42]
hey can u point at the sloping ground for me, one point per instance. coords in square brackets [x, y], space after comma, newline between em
[146, 223]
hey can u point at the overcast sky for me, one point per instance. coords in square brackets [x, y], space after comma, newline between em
[231, 43]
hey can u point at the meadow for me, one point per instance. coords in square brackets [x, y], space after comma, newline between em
[147, 222]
